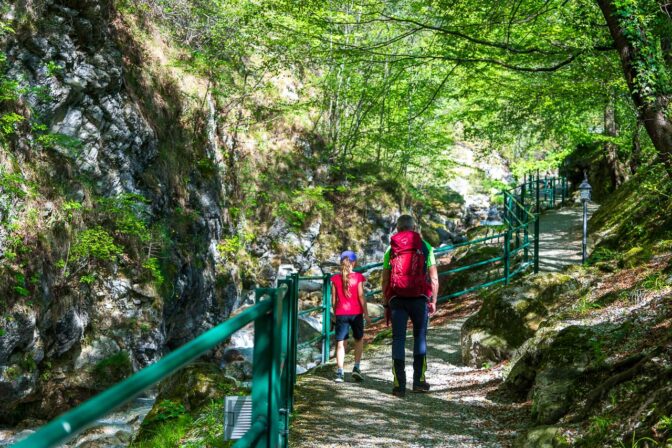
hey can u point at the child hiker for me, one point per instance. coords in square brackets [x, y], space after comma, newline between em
[347, 291]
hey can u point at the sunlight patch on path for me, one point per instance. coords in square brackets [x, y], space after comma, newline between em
[560, 237]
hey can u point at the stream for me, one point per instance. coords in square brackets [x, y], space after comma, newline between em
[115, 430]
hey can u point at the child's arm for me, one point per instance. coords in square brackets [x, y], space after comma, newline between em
[362, 301]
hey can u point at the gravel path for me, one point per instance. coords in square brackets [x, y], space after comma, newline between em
[560, 233]
[462, 409]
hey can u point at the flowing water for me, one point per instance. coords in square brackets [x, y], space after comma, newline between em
[115, 430]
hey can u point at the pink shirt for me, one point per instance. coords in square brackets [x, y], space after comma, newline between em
[347, 305]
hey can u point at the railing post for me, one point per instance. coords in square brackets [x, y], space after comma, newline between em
[326, 318]
[536, 229]
[553, 192]
[287, 364]
[262, 360]
[294, 332]
[507, 254]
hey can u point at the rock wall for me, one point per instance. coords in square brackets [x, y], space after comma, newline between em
[85, 86]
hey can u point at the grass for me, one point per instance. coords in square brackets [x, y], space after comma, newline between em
[654, 282]
[173, 427]
[585, 305]
[167, 435]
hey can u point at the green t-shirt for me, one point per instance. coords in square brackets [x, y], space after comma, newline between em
[431, 260]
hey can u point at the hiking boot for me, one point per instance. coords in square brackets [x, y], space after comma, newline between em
[422, 387]
[339, 377]
[398, 392]
[357, 374]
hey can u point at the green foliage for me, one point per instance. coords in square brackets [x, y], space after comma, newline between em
[12, 184]
[600, 424]
[8, 123]
[95, 244]
[71, 208]
[53, 68]
[114, 368]
[665, 423]
[153, 267]
[585, 305]
[168, 410]
[87, 279]
[635, 442]
[303, 204]
[229, 247]
[602, 254]
[638, 22]
[654, 282]
[166, 427]
[128, 214]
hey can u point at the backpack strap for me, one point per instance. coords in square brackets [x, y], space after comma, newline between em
[425, 252]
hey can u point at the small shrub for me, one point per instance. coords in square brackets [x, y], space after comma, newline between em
[114, 368]
[53, 68]
[154, 269]
[654, 282]
[665, 423]
[87, 279]
[96, 244]
[585, 305]
[599, 424]
[602, 254]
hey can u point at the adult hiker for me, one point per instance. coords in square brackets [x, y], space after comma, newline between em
[410, 287]
[347, 289]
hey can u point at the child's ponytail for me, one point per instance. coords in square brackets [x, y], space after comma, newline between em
[346, 270]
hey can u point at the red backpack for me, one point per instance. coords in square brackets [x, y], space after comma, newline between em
[408, 261]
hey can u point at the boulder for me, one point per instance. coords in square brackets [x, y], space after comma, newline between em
[240, 370]
[375, 310]
[541, 437]
[511, 315]
[548, 368]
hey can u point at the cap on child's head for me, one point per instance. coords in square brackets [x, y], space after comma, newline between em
[350, 255]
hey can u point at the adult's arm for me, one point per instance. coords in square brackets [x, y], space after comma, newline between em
[362, 301]
[434, 278]
[385, 285]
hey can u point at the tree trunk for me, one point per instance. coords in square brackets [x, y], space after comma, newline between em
[636, 155]
[616, 167]
[652, 113]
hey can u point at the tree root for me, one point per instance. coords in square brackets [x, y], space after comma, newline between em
[639, 361]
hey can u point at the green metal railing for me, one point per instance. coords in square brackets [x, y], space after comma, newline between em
[274, 354]
[518, 241]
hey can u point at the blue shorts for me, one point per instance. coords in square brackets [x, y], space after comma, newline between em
[344, 323]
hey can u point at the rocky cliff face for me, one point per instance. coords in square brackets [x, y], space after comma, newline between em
[96, 138]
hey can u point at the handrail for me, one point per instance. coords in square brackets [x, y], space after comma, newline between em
[517, 220]
[269, 306]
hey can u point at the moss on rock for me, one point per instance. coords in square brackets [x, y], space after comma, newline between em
[510, 315]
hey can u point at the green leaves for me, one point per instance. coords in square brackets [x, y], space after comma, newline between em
[95, 244]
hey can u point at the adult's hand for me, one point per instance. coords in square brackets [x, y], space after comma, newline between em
[431, 307]
[388, 316]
